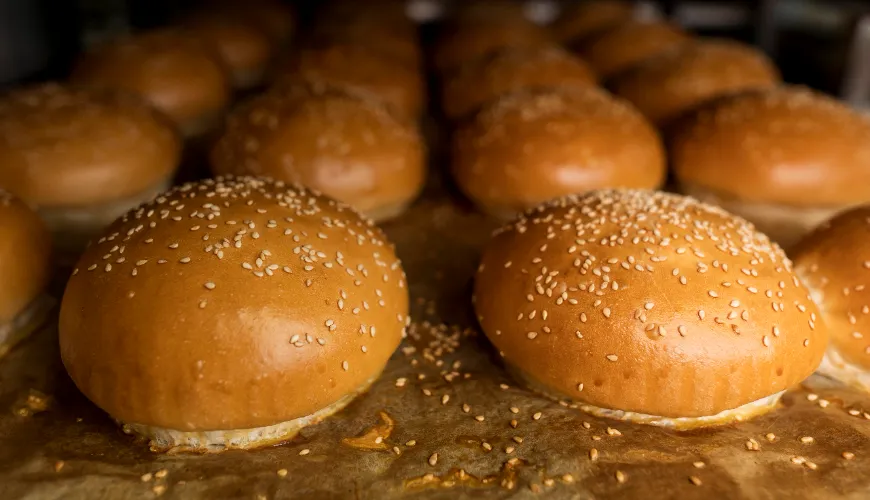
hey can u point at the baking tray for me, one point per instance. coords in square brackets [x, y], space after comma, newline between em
[445, 393]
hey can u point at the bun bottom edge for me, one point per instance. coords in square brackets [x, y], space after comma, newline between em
[835, 366]
[73, 227]
[165, 440]
[784, 224]
[740, 414]
[25, 323]
[387, 212]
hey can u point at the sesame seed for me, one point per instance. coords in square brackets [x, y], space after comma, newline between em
[433, 459]
[612, 357]
[695, 480]
[209, 285]
[304, 452]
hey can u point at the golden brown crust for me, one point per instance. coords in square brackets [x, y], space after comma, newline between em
[790, 146]
[482, 81]
[348, 147]
[231, 304]
[25, 253]
[834, 262]
[677, 81]
[244, 49]
[655, 303]
[592, 18]
[360, 67]
[63, 146]
[177, 73]
[629, 44]
[464, 44]
[530, 147]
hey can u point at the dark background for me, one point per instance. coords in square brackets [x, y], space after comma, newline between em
[811, 40]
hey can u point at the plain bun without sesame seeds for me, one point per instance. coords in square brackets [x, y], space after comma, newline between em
[647, 307]
[230, 313]
[83, 157]
[530, 147]
[786, 159]
[667, 86]
[25, 268]
[179, 74]
[347, 145]
[834, 262]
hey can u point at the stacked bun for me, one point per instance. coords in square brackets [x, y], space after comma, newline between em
[786, 159]
[25, 266]
[83, 157]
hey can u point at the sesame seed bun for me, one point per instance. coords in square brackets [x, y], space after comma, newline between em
[177, 73]
[230, 313]
[630, 43]
[243, 47]
[25, 267]
[786, 159]
[673, 83]
[359, 67]
[83, 156]
[649, 307]
[349, 147]
[462, 44]
[530, 147]
[506, 71]
[834, 262]
[588, 19]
